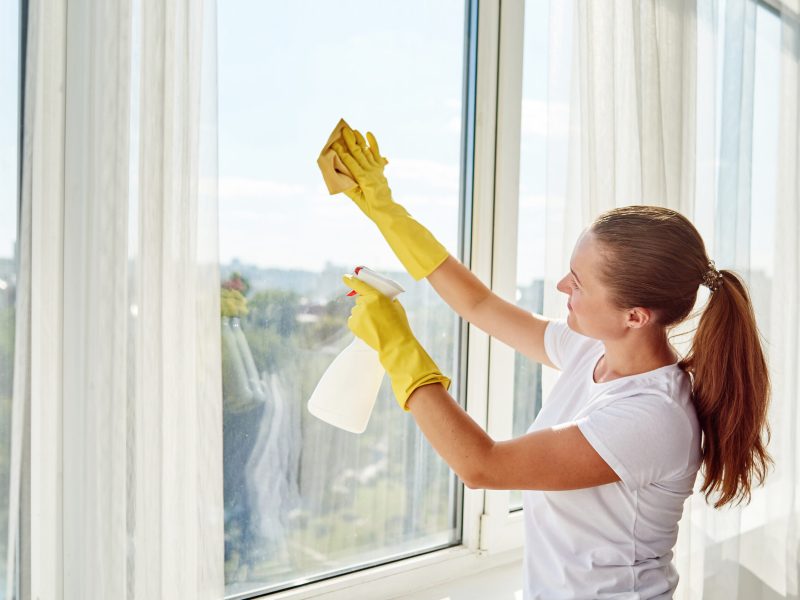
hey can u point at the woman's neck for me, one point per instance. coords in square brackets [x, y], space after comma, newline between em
[632, 355]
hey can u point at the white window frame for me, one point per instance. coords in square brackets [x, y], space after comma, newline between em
[502, 529]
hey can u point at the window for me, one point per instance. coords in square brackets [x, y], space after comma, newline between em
[304, 500]
[10, 79]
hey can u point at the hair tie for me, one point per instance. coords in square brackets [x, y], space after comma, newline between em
[712, 278]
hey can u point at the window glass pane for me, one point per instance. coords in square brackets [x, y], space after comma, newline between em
[304, 500]
[9, 200]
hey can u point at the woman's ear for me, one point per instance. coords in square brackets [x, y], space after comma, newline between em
[639, 317]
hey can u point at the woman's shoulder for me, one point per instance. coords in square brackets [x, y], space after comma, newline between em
[669, 384]
[564, 345]
[666, 392]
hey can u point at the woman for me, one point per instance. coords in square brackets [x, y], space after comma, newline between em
[615, 450]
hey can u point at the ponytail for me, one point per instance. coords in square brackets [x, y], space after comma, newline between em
[731, 390]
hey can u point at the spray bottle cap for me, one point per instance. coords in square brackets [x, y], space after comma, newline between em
[383, 284]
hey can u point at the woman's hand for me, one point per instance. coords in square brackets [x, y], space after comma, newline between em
[365, 163]
[382, 323]
[377, 319]
[415, 246]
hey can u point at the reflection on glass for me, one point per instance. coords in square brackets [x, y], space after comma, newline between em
[305, 500]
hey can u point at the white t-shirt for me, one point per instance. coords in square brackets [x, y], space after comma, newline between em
[613, 540]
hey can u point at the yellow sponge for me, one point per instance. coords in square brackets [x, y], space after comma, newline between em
[336, 175]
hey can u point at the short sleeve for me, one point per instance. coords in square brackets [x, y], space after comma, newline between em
[562, 344]
[644, 438]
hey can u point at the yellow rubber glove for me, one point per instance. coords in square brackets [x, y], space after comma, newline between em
[383, 325]
[415, 246]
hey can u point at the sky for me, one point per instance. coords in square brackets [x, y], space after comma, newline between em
[285, 80]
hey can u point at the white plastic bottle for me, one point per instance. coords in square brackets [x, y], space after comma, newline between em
[346, 394]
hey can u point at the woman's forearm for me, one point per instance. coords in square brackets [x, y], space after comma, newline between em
[459, 287]
[455, 436]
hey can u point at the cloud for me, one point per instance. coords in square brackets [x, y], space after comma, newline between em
[427, 173]
[454, 123]
[232, 187]
[447, 201]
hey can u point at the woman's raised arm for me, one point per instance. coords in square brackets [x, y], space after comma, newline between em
[477, 304]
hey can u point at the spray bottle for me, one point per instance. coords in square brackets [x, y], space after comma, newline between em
[346, 394]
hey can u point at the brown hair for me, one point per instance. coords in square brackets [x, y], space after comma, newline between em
[656, 259]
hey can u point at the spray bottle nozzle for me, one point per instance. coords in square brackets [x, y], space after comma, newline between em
[384, 285]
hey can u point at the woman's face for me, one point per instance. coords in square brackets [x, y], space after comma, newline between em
[591, 313]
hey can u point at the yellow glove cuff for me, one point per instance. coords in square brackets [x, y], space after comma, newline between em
[409, 366]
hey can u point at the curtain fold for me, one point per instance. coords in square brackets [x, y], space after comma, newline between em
[94, 304]
[631, 116]
[783, 502]
[177, 387]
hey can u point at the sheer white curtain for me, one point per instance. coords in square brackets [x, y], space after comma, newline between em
[126, 416]
[631, 81]
[661, 111]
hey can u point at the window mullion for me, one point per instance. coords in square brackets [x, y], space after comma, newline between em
[482, 232]
[499, 529]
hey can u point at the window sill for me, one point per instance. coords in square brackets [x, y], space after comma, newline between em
[435, 575]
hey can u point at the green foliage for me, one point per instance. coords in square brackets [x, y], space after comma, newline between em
[275, 310]
[232, 303]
